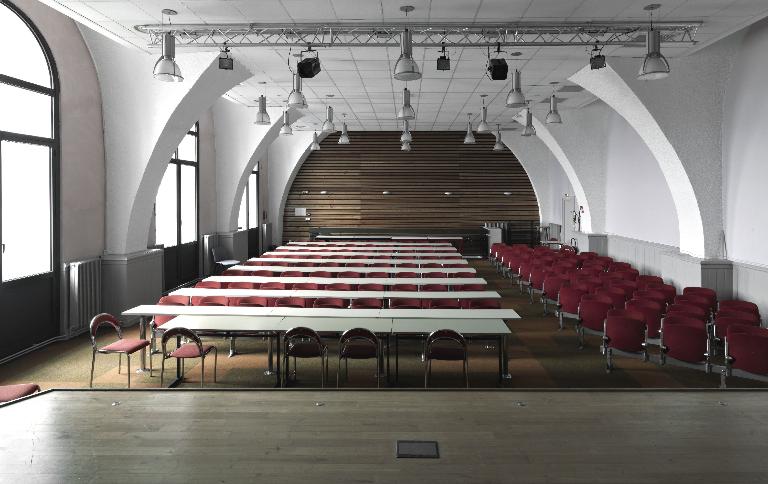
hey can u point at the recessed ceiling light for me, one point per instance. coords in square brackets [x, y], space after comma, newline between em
[652, 6]
[330, 95]
[516, 54]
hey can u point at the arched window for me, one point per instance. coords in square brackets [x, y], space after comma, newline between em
[28, 149]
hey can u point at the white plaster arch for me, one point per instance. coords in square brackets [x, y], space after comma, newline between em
[614, 91]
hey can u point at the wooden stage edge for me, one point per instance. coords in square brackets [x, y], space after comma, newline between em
[305, 435]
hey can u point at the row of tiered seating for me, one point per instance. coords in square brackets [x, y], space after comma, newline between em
[283, 263]
[348, 274]
[631, 311]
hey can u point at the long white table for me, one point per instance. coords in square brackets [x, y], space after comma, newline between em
[329, 254]
[379, 249]
[362, 270]
[387, 281]
[385, 237]
[308, 293]
[320, 243]
[365, 261]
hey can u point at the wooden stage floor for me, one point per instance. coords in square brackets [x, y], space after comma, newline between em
[311, 436]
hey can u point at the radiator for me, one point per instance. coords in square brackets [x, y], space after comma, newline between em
[84, 294]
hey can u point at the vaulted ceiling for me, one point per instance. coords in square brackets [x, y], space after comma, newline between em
[358, 80]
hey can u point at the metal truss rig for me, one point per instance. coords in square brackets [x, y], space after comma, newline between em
[519, 34]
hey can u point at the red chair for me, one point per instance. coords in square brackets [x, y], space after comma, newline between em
[291, 274]
[381, 264]
[568, 304]
[274, 286]
[243, 285]
[650, 295]
[123, 346]
[404, 303]
[370, 287]
[436, 275]
[619, 266]
[193, 349]
[644, 280]
[684, 341]
[209, 285]
[236, 272]
[211, 301]
[589, 285]
[536, 282]
[323, 274]
[432, 265]
[705, 292]
[550, 290]
[378, 275]
[463, 275]
[306, 286]
[689, 310]
[350, 275]
[747, 316]
[408, 265]
[410, 275]
[722, 323]
[744, 306]
[617, 296]
[746, 353]
[697, 301]
[259, 273]
[330, 302]
[652, 313]
[306, 264]
[329, 264]
[442, 303]
[629, 274]
[434, 287]
[447, 345]
[159, 320]
[626, 336]
[250, 301]
[668, 290]
[14, 392]
[482, 303]
[470, 287]
[355, 264]
[301, 342]
[366, 303]
[591, 319]
[405, 287]
[290, 302]
[339, 286]
[358, 344]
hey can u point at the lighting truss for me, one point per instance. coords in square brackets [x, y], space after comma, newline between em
[522, 34]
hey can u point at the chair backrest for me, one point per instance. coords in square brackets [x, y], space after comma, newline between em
[339, 286]
[470, 287]
[350, 274]
[183, 333]
[209, 285]
[484, 304]
[442, 303]
[434, 287]
[366, 303]
[242, 285]
[405, 287]
[682, 319]
[404, 303]
[102, 319]
[644, 280]
[745, 315]
[305, 286]
[249, 301]
[359, 335]
[213, 301]
[435, 275]
[291, 274]
[651, 295]
[625, 333]
[442, 335]
[652, 312]
[722, 323]
[235, 272]
[668, 290]
[407, 274]
[569, 298]
[291, 302]
[616, 294]
[704, 292]
[592, 314]
[748, 348]
[736, 305]
[370, 287]
[273, 286]
[330, 264]
[693, 311]
[262, 273]
[159, 319]
[694, 300]
[329, 302]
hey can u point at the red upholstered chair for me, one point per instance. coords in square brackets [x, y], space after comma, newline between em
[445, 344]
[291, 274]
[524, 275]
[734, 305]
[404, 303]
[705, 292]
[330, 302]
[236, 272]
[243, 285]
[306, 264]
[123, 346]
[350, 274]
[410, 275]
[693, 300]
[405, 287]
[689, 310]
[629, 274]
[441, 303]
[434, 287]
[624, 335]
[436, 275]
[668, 290]
[550, 290]
[340, 286]
[629, 287]
[355, 264]
[193, 349]
[745, 315]
[651, 295]
[463, 275]
[652, 312]
[329, 264]
[591, 320]
[589, 284]
[536, 281]
[370, 287]
[274, 286]
[408, 265]
[159, 320]
[290, 302]
[568, 304]
[722, 323]
[644, 280]
[470, 287]
[381, 264]
[302, 342]
[619, 266]
[481, 303]
[306, 286]
[366, 303]
[250, 301]
[14, 392]
[211, 301]
[617, 295]
[358, 344]
[378, 275]
[323, 274]
[432, 265]
[260, 273]
[746, 353]
[209, 285]
[685, 342]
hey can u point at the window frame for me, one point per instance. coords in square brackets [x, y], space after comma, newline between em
[54, 143]
[178, 163]
[247, 198]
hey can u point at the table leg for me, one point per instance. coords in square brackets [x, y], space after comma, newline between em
[397, 359]
[232, 350]
[388, 347]
[505, 358]
[143, 355]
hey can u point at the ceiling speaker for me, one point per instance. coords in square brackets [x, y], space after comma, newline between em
[498, 69]
[309, 67]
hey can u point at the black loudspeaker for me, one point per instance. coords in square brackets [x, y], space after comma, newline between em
[597, 61]
[498, 69]
[309, 67]
[443, 63]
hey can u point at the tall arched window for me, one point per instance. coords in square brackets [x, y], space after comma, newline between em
[29, 184]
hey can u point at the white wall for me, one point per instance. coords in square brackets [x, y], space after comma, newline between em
[638, 203]
[207, 163]
[82, 142]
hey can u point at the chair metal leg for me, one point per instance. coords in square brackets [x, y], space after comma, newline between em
[93, 362]
[202, 371]
[162, 371]
[215, 362]
[128, 358]
[119, 363]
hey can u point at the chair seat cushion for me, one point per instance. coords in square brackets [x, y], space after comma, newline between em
[12, 392]
[304, 350]
[125, 346]
[441, 352]
[358, 351]
[190, 350]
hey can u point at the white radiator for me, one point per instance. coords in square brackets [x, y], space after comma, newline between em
[84, 294]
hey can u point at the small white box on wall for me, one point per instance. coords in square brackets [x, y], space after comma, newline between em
[300, 212]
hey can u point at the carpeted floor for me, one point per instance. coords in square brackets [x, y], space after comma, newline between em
[540, 357]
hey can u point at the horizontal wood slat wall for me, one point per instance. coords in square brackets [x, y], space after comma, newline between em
[355, 175]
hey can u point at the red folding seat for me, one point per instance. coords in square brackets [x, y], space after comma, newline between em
[211, 301]
[366, 303]
[629, 274]
[330, 302]
[278, 263]
[591, 319]
[746, 353]
[405, 287]
[441, 303]
[619, 266]
[693, 300]
[650, 295]
[652, 313]
[684, 340]
[481, 303]
[467, 275]
[616, 294]
[404, 303]
[745, 315]
[340, 286]
[589, 284]
[744, 306]
[722, 323]
[243, 285]
[432, 265]
[689, 310]
[410, 275]
[434, 287]
[568, 303]
[435, 275]
[536, 281]
[550, 290]
[306, 264]
[524, 275]
[249, 301]
[381, 264]
[470, 287]
[629, 287]
[291, 274]
[370, 287]
[704, 292]
[668, 290]
[644, 280]
[624, 335]
[329, 264]
[454, 266]
[408, 265]
[350, 274]
[355, 264]
[290, 302]
[261, 273]
[209, 285]
[323, 274]
[274, 286]
[306, 286]
[378, 275]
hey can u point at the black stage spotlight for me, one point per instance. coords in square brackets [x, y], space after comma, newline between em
[226, 62]
[309, 67]
[443, 62]
[596, 59]
[498, 69]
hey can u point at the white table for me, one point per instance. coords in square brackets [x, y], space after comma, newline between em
[379, 249]
[320, 243]
[386, 237]
[308, 293]
[329, 254]
[364, 261]
[362, 270]
[387, 281]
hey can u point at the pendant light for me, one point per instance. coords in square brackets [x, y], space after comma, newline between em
[406, 112]
[515, 98]
[328, 126]
[469, 139]
[406, 69]
[529, 130]
[483, 126]
[166, 69]
[344, 138]
[406, 136]
[553, 116]
[296, 98]
[315, 146]
[406, 146]
[655, 65]
[286, 128]
[498, 146]
[262, 117]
